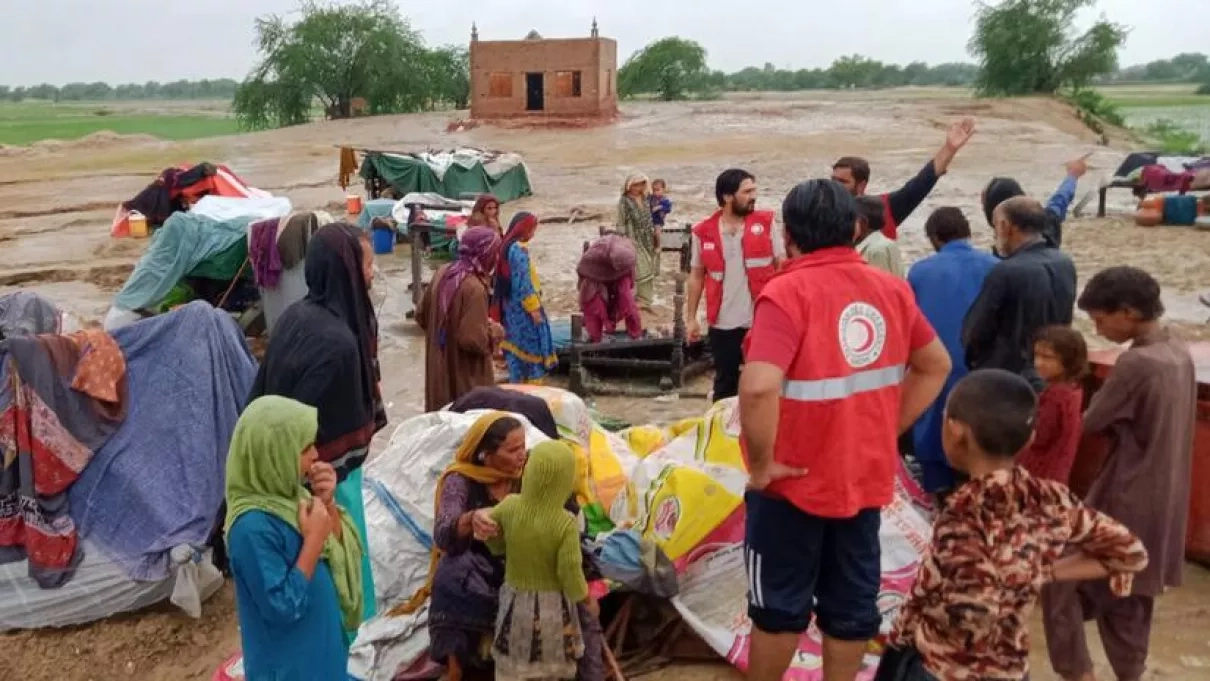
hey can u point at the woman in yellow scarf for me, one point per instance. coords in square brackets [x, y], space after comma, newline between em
[464, 582]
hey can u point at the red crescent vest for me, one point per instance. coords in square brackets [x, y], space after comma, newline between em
[757, 243]
[839, 407]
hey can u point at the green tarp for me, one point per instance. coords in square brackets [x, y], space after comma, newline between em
[187, 245]
[465, 175]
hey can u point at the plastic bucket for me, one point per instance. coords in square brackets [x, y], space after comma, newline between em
[384, 240]
[138, 225]
[353, 204]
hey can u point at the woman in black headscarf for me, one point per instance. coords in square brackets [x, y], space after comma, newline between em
[324, 352]
[1001, 189]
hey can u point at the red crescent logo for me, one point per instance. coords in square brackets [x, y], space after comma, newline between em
[867, 327]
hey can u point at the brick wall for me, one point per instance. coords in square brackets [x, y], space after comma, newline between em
[578, 77]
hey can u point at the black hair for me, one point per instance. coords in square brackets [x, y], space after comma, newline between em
[1068, 344]
[819, 214]
[997, 191]
[1025, 214]
[946, 224]
[871, 209]
[1117, 288]
[728, 183]
[998, 406]
[495, 435]
[658, 182]
[856, 165]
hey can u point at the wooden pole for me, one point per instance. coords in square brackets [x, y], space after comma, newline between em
[575, 382]
[417, 265]
[678, 333]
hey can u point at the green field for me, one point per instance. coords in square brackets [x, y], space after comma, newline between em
[28, 122]
[1144, 104]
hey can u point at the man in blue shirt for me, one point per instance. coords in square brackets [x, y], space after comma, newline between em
[946, 285]
[1000, 189]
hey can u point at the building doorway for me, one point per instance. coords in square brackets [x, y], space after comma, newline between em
[535, 95]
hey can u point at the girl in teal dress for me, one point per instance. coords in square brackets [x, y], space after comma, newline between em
[528, 348]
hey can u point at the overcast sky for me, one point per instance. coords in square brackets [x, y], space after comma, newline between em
[60, 41]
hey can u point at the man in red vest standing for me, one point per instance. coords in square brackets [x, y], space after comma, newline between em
[734, 253]
[841, 361]
[854, 173]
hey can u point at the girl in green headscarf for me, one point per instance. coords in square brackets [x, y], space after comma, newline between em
[296, 558]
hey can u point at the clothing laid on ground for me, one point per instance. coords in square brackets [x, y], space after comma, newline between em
[946, 284]
[902, 202]
[994, 545]
[634, 221]
[537, 628]
[1147, 410]
[1032, 288]
[1001, 189]
[881, 252]
[606, 287]
[528, 347]
[1058, 427]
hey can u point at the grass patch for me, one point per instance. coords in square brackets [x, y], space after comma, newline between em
[1138, 95]
[28, 122]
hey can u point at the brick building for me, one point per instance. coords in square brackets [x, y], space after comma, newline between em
[574, 77]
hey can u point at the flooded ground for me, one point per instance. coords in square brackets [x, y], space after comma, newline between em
[56, 203]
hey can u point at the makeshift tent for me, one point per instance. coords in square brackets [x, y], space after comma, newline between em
[146, 502]
[681, 487]
[178, 188]
[192, 245]
[450, 174]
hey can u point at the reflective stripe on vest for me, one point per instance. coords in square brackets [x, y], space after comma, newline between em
[839, 388]
[753, 263]
[717, 276]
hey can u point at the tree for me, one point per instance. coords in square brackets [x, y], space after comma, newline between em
[669, 67]
[449, 76]
[334, 54]
[1025, 47]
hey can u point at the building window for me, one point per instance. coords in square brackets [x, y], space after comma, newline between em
[568, 84]
[500, 85]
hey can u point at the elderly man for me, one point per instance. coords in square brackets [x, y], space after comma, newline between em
[1032, 287]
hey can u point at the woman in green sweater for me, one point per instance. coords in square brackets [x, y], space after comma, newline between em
[538, 634]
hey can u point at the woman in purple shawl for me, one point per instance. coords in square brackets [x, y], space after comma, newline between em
[453, 313]
[606, 273]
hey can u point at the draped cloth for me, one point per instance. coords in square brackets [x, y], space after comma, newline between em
[61, 399]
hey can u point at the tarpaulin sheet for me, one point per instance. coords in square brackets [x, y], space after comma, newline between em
[680, 486]
[185, 242]
[464, 171]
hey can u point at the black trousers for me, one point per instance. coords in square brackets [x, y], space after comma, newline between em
[727, 347]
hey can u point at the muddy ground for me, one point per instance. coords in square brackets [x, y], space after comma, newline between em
[56, 202]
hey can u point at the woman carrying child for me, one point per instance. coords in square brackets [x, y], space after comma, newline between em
[295, 558]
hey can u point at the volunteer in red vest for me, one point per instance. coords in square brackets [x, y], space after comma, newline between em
[841, 361]
[854, 173]
[734, 253]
